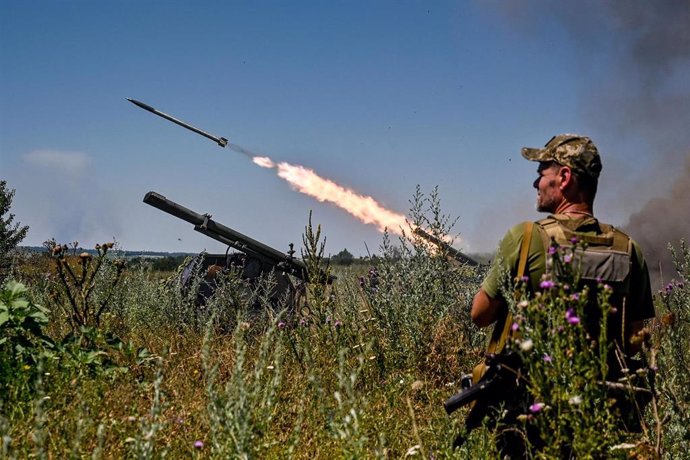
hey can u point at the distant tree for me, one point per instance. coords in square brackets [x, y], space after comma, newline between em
[343, 258]
[10, 235]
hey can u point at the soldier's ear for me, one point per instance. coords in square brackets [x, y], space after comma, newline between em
[566, 175]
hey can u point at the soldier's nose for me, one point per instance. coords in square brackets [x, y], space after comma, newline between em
[536, 183]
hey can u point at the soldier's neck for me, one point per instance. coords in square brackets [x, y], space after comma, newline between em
[575, 209]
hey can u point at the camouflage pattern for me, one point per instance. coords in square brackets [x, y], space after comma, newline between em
[577, 152]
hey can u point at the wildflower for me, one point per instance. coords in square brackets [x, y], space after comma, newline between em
[575, 296]
[524, 279]
[198, 444]
[523, 304]
[536, 407]
[547, 358]
[547, 284]
[568, 258]
[303, 322]
[337, 324]
[571, 317]
[607, 288]
[573, 240]
[281, 325]
[515, 327]
[575, 400]
[552, 250]
[527, 345]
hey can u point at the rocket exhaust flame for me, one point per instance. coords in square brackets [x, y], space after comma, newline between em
[364, 208]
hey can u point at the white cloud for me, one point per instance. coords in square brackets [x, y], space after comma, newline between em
[73, 163]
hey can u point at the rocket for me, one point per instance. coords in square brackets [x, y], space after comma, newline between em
[221, 141]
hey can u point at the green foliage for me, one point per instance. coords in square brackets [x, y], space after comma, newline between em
[669, 354]
[10, 235]
[23, 342]
[414, 292]
[242, 409]
[565, 367]
[86, 285]
[357, 370]
[344, 257]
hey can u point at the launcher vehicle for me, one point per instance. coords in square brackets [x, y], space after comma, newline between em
[254, 258]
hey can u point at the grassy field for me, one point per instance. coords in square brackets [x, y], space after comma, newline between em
[104, 361]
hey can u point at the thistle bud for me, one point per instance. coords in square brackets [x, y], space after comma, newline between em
[84, 256]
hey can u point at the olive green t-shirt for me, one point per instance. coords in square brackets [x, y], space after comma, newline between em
[504, 269]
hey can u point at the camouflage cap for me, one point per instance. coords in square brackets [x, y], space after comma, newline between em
[577, 152]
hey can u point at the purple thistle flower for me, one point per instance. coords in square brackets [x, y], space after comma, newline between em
[303, 322]
[198, 444]
[281, 325]
[515, 327]
[568, 258]
[536, 407]
[552, 250]
[337, 324]
[571, 317]
[525, 279]
[575, 296]
[547, 284]
[573, 240]
[547, 358]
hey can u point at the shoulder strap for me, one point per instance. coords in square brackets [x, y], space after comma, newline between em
[501, 331]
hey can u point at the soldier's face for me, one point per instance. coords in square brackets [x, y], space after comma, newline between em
[549, 194]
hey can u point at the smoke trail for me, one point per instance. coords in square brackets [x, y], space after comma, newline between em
[364, 208]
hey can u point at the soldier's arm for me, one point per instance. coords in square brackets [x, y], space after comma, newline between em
[485, 309]
[489, 303]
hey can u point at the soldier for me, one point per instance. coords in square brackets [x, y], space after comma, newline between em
[569, 168]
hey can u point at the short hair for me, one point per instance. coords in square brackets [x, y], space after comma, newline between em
[588, 185]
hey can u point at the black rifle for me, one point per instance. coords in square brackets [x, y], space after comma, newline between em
[498, 382]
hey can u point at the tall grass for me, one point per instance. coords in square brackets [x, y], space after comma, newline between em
[358, 370]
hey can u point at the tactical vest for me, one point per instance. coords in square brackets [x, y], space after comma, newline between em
[606, 259]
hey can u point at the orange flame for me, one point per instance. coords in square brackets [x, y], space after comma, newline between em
[364, 208]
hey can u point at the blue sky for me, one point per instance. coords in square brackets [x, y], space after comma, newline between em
[376, 96]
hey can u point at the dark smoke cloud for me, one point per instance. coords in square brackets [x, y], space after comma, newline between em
[633, 61]
[661, 221]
